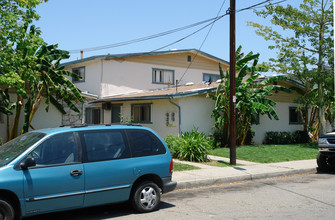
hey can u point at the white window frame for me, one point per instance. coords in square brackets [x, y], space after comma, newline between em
[142, 105]
[210, 75]
[81, 75]
[159, 75]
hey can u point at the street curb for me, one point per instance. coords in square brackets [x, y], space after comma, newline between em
[246, 177]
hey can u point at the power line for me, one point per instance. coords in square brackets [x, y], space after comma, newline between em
[142, 38]
[240, 10]
[183, 38]
[204, 40]
[258, 5]
[167, 32]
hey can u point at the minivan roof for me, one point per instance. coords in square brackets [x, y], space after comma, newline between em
[72, 128]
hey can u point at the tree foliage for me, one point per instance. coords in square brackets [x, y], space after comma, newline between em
[29, 67]
[252, 97]
[303, 39]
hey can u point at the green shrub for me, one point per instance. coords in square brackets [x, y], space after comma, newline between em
[284, 137]
[300, 137]
[218, 139]
[250, 136]
[191, 146]
[172, 142]
[271, 137]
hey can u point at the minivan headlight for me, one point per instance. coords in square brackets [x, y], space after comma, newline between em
[323, 141]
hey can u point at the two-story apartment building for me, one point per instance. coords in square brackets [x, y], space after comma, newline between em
[141, 87]
[114, 77]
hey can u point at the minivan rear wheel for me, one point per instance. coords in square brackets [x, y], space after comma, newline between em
[6, 210]
[146, 197]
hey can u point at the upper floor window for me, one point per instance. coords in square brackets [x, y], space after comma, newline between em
[207, 77]
[141, 113]
[295, 116]
[80, 71]
[162, 76]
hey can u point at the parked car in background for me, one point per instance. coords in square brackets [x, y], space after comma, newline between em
[74, 167]
[326, 156]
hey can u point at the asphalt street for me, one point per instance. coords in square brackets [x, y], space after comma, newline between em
[308, 196]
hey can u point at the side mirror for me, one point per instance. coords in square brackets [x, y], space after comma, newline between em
[28, 162]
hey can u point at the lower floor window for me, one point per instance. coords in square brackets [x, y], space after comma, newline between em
[295, 116]
[93, 116]
[141, 113]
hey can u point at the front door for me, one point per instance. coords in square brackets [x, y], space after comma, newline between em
[57, 180]
[116, 111]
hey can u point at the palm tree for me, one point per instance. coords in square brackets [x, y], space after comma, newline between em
[251, 96]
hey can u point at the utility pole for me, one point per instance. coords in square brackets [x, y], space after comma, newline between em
[232, 98]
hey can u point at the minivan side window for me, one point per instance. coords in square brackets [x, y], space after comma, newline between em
[105, 145]
[144, 143]
[58, 149]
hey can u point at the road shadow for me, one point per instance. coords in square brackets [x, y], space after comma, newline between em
[331, 172]
[96, 213]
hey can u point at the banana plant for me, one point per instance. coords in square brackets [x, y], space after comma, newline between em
[41, 77]
[252, 97]
[50, 84]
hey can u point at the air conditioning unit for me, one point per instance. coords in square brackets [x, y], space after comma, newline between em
[106, 106]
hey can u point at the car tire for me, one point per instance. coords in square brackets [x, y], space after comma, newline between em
[6, 210]
[325, 163]
[146, 197]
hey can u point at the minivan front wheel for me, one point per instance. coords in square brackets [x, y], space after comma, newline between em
[6, 210]
[325, 162]
[146, 197]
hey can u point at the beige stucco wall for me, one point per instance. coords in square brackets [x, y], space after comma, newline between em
[92, 76]
[190, 116]
[119, 76]
[266, 124]
[42, 119]
[127, 77]
[196, 112]
[159, 108]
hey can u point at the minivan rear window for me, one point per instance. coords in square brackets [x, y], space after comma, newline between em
[144, 143]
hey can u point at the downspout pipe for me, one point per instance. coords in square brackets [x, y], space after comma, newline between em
[179, 114]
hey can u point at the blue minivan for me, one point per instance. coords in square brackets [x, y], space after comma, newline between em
[80, 166]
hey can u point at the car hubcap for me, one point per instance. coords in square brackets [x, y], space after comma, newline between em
[1, 216]
[148, 197]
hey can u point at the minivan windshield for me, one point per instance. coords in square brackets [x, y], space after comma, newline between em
[12, 149]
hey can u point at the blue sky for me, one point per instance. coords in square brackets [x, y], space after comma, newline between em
[80, 24]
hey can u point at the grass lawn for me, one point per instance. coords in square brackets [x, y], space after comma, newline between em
[271, 153]
[217, 163]
[181, 167]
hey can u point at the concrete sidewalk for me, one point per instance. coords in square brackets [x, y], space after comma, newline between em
[245, 170]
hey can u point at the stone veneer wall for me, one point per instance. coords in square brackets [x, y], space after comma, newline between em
[72, 117]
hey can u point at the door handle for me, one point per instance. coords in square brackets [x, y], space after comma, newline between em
[76, 172]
